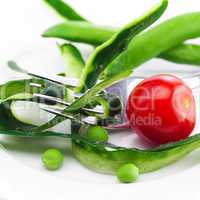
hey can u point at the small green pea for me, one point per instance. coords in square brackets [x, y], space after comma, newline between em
[98, 134]
[128, 173]
[52, 159]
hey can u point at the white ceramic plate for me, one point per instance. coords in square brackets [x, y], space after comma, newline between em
[46, 59]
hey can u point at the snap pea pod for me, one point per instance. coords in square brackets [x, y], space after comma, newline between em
[64, 10]
[184, 54]
[80, 32]
[152, 43]
[73, 59]
[107, 159]
[108, 51]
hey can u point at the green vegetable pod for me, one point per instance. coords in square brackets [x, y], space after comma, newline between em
[105, 158]
[64, 10]
[152, 43]
[183, 54]
[92, 34]
[118, 43]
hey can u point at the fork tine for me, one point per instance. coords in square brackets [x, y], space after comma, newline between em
[71, 82]
[111, 127]
[60, 113]
[60, 101]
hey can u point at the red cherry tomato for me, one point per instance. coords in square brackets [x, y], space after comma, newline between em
[162, 109]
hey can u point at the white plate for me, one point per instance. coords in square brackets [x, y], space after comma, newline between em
[27, 152]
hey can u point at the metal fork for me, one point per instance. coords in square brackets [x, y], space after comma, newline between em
[121, 89]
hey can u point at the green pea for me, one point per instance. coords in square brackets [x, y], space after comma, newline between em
[128, 173]
[98, 134]
[52, 159]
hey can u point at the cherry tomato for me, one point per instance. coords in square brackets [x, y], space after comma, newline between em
[161, 109]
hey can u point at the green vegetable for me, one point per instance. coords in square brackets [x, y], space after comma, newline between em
[52, 159]
[128, 173]
[64, 10]
[154, 44]
[97, 133]
[108, 51]
[177, 54]
[106, 158]
[73, 59]
[183, 54]
[77, 29]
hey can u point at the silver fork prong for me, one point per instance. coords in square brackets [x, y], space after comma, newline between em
[71, 82]
[60, 101]
[57, 112]
[82, 121]
[53, 99]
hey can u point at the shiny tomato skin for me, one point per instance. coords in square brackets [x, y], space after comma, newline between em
[161, 109]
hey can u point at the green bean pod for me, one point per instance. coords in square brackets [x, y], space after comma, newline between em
[107, 159]
[183, 54]
[80, 32]
[152, 43]
[64, 10]
[118, 43]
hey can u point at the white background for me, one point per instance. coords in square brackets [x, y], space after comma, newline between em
[21, 23]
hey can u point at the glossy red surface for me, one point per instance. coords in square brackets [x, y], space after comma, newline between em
[161, 109]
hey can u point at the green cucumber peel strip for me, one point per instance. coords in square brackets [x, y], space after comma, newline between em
[74, 62]
[108, 51]
[64, 10]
